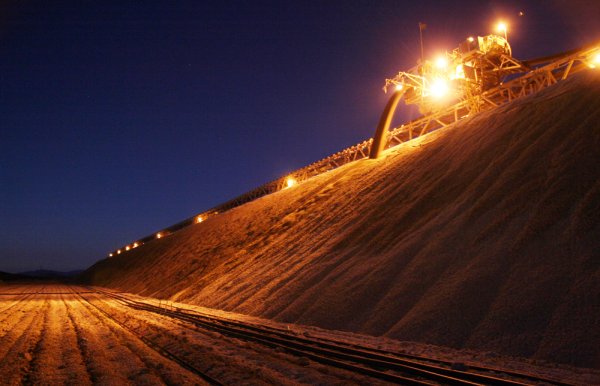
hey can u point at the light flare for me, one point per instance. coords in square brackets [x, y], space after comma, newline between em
[595, 61]
[501, 27]
[459, 72]
[439, 88]
[290, 181]
[441, 63]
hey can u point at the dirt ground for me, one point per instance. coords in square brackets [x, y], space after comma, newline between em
[67, 335]
[61, 335]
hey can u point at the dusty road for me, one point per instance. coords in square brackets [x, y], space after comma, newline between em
[57, 334]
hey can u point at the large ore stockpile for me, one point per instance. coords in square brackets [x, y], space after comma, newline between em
[482, 235]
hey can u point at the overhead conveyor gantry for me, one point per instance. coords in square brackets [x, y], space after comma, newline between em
[479, 75]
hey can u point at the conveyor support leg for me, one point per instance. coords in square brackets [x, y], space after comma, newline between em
[380, 138]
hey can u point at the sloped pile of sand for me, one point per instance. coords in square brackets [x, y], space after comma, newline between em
[485, 235]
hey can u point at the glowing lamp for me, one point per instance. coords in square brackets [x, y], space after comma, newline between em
[119, 252]
[110, 255]
[199, 219]
[459, 72]
[159, 235]
[135, 245]
[502, 27]
[441, 62]
[290, 181]
[399, 87]
[439, 88]
[595, 60]
[470, 39]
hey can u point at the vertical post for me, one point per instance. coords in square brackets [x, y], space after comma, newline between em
[422, 26]
[380, 138]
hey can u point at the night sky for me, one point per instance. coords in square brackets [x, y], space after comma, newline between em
[118, 119]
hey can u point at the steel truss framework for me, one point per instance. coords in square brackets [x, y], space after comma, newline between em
[547, 73]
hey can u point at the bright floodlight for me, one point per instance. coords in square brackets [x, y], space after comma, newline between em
[470, 39]
[459, 72]
[439, 88]
[594, 61]
[290, 181]
[399, 87]
[502, 27]
[441, 62]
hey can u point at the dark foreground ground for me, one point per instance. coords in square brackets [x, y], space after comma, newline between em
[60, 334]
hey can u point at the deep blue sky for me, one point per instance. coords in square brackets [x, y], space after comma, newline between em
[120, 118]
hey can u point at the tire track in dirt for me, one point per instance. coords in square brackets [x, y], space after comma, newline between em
[130, 360]
[20, 355]
[203, 360]
[26, 293]
[34, 355]
[16, 299]
[193, 344]
[81, 344]
[56, 359]
[169, 371]
[11, 322]
[231, 360]
[15, 324]
[121, 341]
[102, 362]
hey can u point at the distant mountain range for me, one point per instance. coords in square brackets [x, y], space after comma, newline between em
[38, 274]
[5, 276]
[49, 274]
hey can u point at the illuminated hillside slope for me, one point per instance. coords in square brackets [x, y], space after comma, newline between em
[485, 235]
